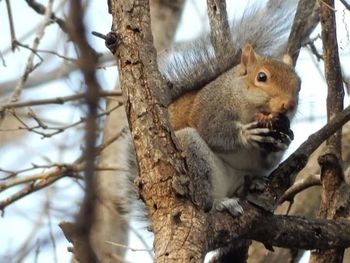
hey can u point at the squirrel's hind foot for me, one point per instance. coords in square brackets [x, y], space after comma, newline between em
[229, 204]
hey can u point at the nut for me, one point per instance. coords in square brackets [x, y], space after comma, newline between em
[280, 129]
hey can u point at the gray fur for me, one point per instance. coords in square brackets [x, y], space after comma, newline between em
[202, 165]
[191, 65]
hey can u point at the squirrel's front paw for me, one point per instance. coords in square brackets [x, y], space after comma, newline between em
[252, 134]
[229, 204]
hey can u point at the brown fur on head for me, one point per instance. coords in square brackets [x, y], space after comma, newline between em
[276, 78]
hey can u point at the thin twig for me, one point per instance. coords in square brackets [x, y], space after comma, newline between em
[305, 20]
[57, 130]
[37, 51]
[57, 100]
[314, 51]
[59, 72]
[30, 66]
[299, 186]
[35, 186]
[40, 9]
[44, 176]
[127, 247]
[12, 27]
[327, 5]
[2, 60]
[33, 28]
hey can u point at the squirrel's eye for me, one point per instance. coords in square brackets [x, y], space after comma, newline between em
[261, 76]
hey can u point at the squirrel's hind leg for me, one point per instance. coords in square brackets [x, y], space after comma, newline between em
[199, 159]
[203, 166]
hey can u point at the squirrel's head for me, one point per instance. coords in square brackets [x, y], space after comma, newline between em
[275, 81]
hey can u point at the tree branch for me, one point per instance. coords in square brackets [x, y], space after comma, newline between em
[345, 4]
[305, 21]
[275, 230]
[57, 100]
[178, 236]
[40, 9]
[59, 72]
[109, 222]
[87, 63]
[331, 171]
[12, 27]
[46, 180]
[299, 186]
[30, 66]
[284, 175]
[165, 18]
[219, 27]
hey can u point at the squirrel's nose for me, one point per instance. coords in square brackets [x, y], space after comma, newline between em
[282, 105]
[287, 105]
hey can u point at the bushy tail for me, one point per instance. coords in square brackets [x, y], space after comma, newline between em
[192, 65]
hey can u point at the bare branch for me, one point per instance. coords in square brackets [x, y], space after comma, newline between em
[43, 176]
[346, 4]
[219, 27]
[57, 100]
[30, 62]
[40, 9]
[165, 15]
[30, 66]
[56, 130]
[37, 51]
[47, 179]
[158, 155]
[299, 186]
[87, 63]
[305, 21]
[331, 171]
[59, 72]
[56, 172]
[12, 27]
[276, 230]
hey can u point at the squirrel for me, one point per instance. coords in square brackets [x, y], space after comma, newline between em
[224, 116]
[224, 123]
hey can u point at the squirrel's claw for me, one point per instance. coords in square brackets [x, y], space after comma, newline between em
[229, 204]
[253, 135]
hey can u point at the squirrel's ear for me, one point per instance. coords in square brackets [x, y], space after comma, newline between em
[287, 59]
[248, 55]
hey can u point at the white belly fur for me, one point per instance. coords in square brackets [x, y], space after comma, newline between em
[231, 169]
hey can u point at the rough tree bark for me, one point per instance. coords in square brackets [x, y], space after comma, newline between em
[157, 153]
[331, 170]
[165, 16]
[108, 224]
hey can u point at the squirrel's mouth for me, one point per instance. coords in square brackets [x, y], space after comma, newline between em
[265, 117]
[269, 119]
[279, 126]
